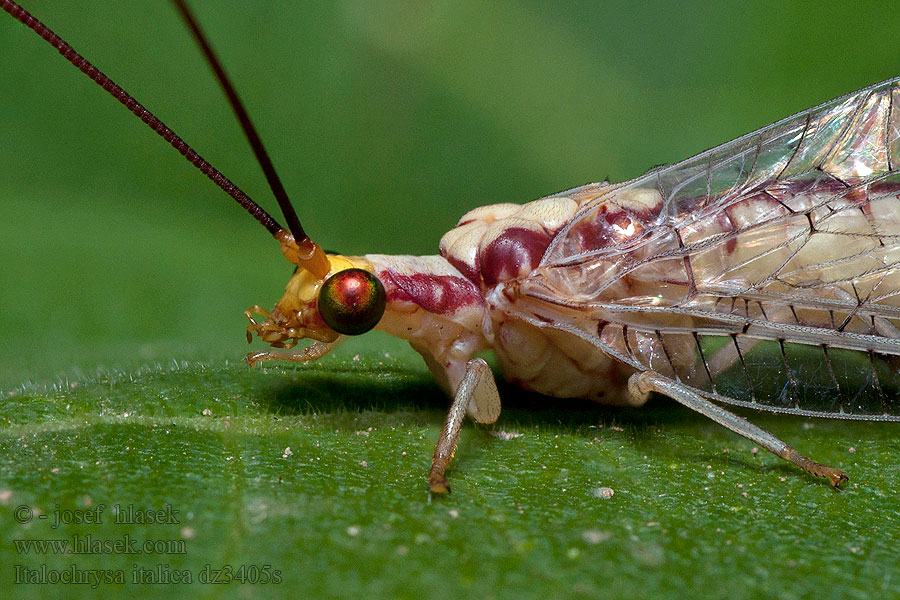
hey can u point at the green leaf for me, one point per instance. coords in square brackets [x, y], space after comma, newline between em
[318, 472]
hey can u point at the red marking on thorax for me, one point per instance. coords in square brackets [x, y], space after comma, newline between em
[468, 271]
[515, 252]
[613, 226]
[438, 294]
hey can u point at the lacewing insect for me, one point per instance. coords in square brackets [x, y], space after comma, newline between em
[764, 273]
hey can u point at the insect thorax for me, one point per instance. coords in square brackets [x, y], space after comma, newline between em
[453, 305]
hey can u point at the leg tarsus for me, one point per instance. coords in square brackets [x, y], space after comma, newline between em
[476, 394]
[835, 476]
[314, 351]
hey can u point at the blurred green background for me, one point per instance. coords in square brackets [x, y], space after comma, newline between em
[387, 122]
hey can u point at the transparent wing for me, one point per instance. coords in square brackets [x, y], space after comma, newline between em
[763, 272]
[846, 142]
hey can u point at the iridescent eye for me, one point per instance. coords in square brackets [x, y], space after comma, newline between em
[352, 301]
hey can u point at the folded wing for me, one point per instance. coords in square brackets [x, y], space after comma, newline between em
[763, 272]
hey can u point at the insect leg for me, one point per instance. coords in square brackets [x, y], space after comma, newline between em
[641, 384]
[477, 386]
[314, 351]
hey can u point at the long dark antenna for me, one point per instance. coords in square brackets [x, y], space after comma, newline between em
[145, 115]
[259, 150]
[300, 250]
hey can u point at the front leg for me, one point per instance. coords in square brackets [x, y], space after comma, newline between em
[478, 391]
[313, 352]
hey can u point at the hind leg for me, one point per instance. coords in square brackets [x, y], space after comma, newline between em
[641, 384]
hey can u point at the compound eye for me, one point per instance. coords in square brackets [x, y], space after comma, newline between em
[352, 301]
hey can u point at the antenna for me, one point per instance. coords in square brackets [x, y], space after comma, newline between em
[246, 124]
[298, 248]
